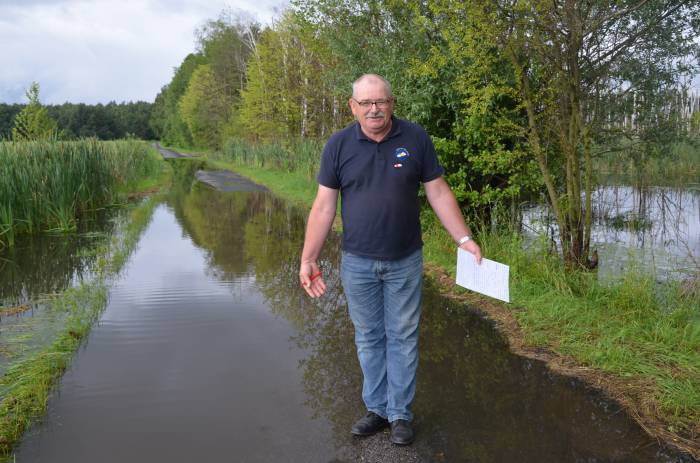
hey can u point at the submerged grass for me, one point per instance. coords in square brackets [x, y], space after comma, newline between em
[49, 185]
[250, 160]
[27, 382]
[636, 329]
[26, 385]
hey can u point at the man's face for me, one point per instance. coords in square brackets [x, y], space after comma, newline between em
[373, 119]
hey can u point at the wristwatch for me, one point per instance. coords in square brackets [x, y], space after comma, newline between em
[463, 240]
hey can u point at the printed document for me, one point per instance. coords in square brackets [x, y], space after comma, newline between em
[489, 278]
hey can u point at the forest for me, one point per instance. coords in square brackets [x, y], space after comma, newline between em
[109, 121]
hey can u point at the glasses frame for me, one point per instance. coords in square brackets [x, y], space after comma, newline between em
[367, 104]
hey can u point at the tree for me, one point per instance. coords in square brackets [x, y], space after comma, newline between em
[7, 118]
[470, 111]
[288, 93]
[203, 109]
[226, 45]
[570, 61]
[34, 122]
[486, 158]
[165, 120]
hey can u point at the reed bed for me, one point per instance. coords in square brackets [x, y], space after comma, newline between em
[681, 166]
[50, 185]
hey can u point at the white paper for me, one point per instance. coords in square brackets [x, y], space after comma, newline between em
[489, 278]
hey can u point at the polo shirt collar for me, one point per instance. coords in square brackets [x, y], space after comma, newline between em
[395, 130]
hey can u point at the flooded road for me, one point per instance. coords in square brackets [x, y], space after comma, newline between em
[210, 351]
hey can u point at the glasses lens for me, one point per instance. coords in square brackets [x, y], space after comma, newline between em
[366, 104]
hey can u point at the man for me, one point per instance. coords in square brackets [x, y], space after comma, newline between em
[377, 164]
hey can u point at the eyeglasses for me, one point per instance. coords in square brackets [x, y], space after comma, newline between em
[381, 104]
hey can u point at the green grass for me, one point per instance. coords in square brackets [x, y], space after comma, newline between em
[49, 186]
[633, 328]
[26, 385]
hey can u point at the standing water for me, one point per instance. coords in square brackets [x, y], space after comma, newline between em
[655, 229]
[210, 351]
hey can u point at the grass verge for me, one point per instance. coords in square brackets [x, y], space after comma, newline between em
[635, 339]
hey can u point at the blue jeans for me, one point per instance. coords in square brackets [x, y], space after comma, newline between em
[384, 301]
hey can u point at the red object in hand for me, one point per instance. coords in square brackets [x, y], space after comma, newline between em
[313, 277]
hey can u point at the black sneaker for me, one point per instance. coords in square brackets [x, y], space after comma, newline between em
[401, 432]
[369, 424]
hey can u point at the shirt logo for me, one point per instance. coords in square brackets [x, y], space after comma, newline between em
[401, 154]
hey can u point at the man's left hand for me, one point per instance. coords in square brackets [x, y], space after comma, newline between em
[472, 247]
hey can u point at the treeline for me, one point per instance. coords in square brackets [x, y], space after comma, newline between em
[109, 121]
[519, 97]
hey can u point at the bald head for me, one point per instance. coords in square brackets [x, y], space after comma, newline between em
[371, 79]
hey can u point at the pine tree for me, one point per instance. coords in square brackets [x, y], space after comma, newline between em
[34, 122]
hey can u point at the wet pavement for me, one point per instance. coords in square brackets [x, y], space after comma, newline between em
[227, 181]
[210, 351]
[169, 154]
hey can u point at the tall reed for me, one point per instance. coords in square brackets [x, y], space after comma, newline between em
[50, 185]
[679, 166]
[300, 155]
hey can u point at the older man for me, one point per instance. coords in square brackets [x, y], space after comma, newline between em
[377, 164]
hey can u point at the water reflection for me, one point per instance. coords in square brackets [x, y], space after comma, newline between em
[45, 264]
[475, 400]
[655, 227]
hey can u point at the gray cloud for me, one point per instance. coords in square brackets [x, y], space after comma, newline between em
[101, 50]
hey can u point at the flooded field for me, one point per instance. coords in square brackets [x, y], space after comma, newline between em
[210, 351]
[35, 270]
[656, 229]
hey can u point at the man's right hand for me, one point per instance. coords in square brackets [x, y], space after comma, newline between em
[311, 279]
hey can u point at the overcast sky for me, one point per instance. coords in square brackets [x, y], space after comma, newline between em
[96, 51]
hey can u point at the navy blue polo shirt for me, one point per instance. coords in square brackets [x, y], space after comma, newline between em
[379, 185]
